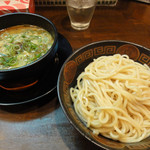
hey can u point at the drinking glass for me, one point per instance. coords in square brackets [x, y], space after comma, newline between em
[80, 13]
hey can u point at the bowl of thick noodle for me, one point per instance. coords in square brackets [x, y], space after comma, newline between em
[28, 46]
[104, 90]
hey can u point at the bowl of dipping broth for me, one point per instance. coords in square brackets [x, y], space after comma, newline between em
[28, 44]
[104, 90]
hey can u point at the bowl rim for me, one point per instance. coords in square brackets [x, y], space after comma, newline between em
[48, 51]
[71, 120]
[104, 41]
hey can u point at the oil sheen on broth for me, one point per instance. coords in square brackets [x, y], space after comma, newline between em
[23, 44]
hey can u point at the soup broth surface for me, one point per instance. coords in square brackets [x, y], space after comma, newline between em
[23, 44]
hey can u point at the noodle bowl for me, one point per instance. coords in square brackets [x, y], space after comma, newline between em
[112, 98]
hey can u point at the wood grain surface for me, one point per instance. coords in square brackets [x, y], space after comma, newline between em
[44, 126]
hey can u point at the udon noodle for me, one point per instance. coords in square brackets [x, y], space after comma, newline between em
[112, 97]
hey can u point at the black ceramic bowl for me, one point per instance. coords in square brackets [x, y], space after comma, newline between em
[25, 74]
[75, 64]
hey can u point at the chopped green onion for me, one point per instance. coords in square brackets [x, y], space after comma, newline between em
[23, 47]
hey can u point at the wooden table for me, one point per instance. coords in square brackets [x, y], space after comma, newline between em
[45, 127]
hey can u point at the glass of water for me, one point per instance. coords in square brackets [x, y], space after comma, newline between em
[80, 13]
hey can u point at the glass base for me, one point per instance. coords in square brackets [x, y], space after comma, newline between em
[79, 27]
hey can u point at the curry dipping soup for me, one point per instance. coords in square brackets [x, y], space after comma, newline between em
[22, 44]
